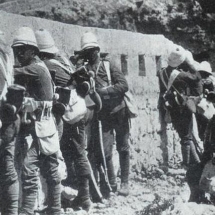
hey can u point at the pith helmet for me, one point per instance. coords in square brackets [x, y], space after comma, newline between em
[205, 67]
[24, 36]
[177, 56]
[189, 57]
[45, 41]
[89, 40]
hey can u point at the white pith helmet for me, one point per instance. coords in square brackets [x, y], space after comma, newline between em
[177, 56]
[205, 66]
[189, 57]
[89, 40]
[24, 36]
[45, 41]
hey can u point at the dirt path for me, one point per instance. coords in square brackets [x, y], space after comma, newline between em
[147, 196]
[167, 194]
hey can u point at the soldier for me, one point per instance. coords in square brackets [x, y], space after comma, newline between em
[10, 102]
[180, 90]
[38, 130]
[208, 83]
[113, 115]
[73, 139]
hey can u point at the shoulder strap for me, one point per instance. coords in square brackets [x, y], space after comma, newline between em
[170, 80]
[161, 73]
[173, 76]
[69, 71]
[107, 68]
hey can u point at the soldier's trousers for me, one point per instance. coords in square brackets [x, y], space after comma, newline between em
[9, 186]
[49, 169]
[120, 123]
[182, 122]
[73, 147]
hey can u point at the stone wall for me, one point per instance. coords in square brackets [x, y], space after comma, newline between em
[151, 143]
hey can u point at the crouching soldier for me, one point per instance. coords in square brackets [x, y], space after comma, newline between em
[38, 130]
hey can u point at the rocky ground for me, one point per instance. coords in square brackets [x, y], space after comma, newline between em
[159, 193]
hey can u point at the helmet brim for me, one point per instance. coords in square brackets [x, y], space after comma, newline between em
[51, 50]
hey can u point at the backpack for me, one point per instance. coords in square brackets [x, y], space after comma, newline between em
[128, 97]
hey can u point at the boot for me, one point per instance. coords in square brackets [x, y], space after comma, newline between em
[196, 195]
[124, 189]
[185, 150]
[124, 165]
[82, 200]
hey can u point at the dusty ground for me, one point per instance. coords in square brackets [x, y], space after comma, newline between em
[162, 194]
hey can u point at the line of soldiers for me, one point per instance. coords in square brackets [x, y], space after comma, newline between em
[186, 100]
[44, 117]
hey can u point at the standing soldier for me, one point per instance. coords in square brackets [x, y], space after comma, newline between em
[113, 115]
[38, 130]
[10, 104]
[73, 139]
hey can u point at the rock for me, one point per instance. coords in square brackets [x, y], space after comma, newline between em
[81, 212]
[99, 205]
[163, 177]
[69, 210]
[147, 191]
[159, 171]
[177, 172]
[68, 192]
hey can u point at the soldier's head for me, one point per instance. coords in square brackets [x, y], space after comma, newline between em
[182, 59]
[89, 47]
[46, 44]
[205, 69]
[25, 45]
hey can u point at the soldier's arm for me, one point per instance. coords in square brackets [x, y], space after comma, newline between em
[189, 77]
[28, 71]
[119, 83]
[21, 74]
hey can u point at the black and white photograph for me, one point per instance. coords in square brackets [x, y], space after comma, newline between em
[107, 107]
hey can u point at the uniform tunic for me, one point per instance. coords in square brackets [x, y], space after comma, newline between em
[73, 136]
[113, 116]
[36, 78]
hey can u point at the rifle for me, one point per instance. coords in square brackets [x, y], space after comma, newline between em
[103, 166]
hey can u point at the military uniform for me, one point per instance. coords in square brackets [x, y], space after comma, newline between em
[9, 128]
[113, 116]
[9, 185]
[187, 85]
[37, 80]
[73, 140]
